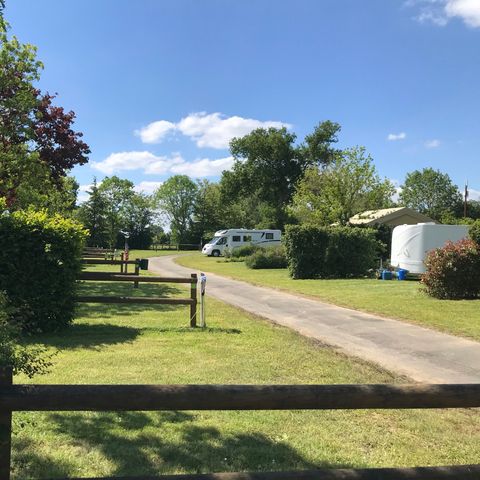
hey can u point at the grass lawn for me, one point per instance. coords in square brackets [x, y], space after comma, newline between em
[133, 254]
[152, 344]
[402, 300]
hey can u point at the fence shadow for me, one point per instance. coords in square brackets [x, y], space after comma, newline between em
[127, 443]
[80, 335]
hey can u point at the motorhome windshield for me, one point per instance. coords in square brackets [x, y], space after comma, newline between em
[218, 240]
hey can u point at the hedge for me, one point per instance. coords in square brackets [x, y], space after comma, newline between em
[330, 252]
[474, 231]
[40, 259]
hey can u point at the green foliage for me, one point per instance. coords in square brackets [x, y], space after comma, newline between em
[330, 252]
[41, 259]
[348, 185]
[267, 167]
[27, 360]
[474, 232]
[430, 192]
[241, 252]
[453, 272]
[270, 257]
[175, 198]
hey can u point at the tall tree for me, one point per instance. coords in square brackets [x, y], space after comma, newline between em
[348, 185]
[117, 194]
[38, 147]
[431, 192]
[92, 213]
[139, 218]
[175, 199]
[268, 165]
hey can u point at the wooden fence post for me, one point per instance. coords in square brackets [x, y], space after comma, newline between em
[122, 260]
[137, 271]
[193, 296]
[6, 378]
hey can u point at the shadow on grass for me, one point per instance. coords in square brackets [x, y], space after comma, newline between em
[140, 444]
[81, 335]
[187, 329]
[29, 463]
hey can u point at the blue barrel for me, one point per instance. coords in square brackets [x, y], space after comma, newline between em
[387, 275]
[402, 274]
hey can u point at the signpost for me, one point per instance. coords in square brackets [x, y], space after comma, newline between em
[203, 284]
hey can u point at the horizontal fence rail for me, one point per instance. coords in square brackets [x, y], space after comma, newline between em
[144, 300]
[235, 397]
[115, 277]
[458, 472]
[99, 261]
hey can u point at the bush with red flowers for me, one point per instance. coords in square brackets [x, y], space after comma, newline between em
[453, 272]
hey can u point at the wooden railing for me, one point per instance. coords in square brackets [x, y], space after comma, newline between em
[242, 397]
[109, 277]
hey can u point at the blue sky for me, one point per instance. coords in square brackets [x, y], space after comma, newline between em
[159, 87]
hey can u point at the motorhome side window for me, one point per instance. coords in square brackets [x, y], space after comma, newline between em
[269, 236]
[222, 241]
[247, 238]
[236, 238]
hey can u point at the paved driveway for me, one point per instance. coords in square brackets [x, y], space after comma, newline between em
[423, 354]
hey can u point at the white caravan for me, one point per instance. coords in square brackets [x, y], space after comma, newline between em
[238, 237]
[411, 243]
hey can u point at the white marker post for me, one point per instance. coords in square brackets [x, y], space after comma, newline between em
[203, 284]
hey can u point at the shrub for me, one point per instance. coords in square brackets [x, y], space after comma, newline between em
[241, 252]
[330, 252]
[453, 271]
[272, 257]
[474, 232]
[27, 360]
[40, 260]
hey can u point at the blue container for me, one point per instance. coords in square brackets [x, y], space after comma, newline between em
[386, 275]
[402, 274]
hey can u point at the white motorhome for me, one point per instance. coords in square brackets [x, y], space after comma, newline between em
[411, 243]
[238, 237]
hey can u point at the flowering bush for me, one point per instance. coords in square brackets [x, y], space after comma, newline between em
[453, 272]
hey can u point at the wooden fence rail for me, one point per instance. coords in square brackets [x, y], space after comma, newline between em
[241, 397]
[112, 277]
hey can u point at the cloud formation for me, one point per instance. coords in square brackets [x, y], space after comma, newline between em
[434, 143]
[440, 12]
[161, 165]
[147, 187]
[392, 137]
[207, 130]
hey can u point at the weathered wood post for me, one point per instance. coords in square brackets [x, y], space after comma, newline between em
[6, 379]
[122, 260]
[137, 271]
[193, 296]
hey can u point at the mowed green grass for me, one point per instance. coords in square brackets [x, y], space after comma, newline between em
[121, 344]
[396, 299]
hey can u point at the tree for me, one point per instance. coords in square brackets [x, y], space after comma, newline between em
[430, 192]
[117, 194]
[92, 213]
[38, 147]
[268, 165]
[345, 187]
[175, 199]
[138, 220]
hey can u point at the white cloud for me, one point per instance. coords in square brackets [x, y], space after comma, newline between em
[155, 132]
[440, 12]
[473, 194]
[392, 137]
[152, 164]
[204, 167]
[147, 187]
[124, 161]
[208, 130]
[435, 143]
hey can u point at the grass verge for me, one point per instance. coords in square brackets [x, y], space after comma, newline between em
[394, 299]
